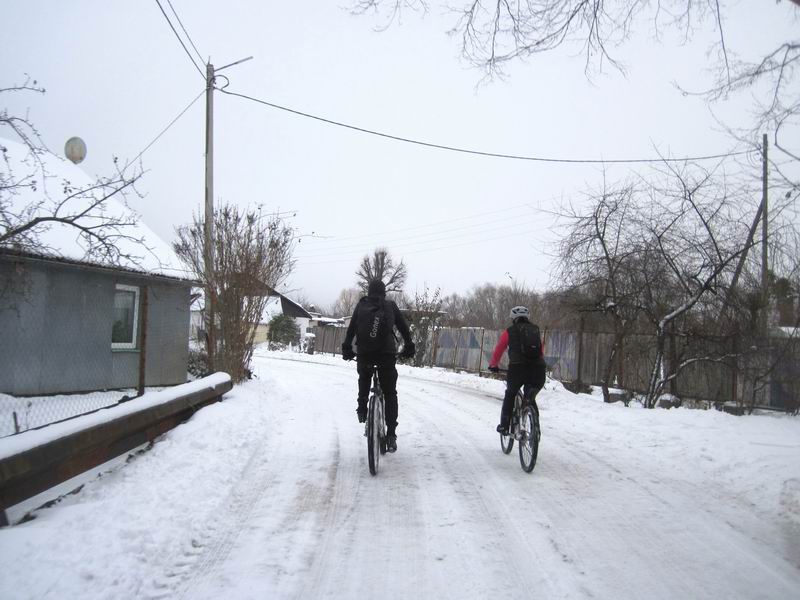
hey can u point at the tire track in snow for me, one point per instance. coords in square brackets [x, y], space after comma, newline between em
[234, 515]
[574, 528]
[668, 525]
[358, 531]
[481, 482]
[214, 539]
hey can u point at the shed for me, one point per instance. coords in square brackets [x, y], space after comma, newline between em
[70, 323]
[70, 326]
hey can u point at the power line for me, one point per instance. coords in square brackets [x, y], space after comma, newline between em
[531, 228]
[434, 236]
[163, 131]
[424, 226]
[482, 153]
[185, 32]
[171, 26]
[447, 247]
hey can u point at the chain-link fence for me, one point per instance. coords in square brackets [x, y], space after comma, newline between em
[19, 414]
[72, 332]
[767, 375]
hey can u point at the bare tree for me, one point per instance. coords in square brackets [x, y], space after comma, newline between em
[427, 314]
[346, 302]
[380, 265]
[33, 200]
[489, 305]
[595, 256]
[252, 256]
[495, 33]
[664, 254]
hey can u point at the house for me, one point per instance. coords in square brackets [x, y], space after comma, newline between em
[320, 320]
[279, 304]
[71, 324]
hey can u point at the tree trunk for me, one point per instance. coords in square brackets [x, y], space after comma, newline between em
[656, 380]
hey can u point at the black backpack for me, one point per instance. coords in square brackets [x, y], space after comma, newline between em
[375, 324]
[530, 340]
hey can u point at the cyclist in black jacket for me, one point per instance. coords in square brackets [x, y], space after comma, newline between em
[376, 317]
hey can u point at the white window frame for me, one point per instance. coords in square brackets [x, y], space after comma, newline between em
[132, 344]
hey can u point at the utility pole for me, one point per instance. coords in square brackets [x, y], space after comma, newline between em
[764, 255]
[208, 253]
[764, 267]
[208, 250]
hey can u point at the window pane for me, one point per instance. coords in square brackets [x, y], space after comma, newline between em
[124, 308]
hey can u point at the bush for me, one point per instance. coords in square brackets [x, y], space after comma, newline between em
[198, 363]
[283, 331]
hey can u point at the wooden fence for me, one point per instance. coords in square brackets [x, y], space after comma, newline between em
[574, 356]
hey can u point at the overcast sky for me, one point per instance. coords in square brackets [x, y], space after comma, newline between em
[116, 75]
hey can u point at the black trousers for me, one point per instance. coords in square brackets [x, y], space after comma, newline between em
[519, 375]
[387, 375]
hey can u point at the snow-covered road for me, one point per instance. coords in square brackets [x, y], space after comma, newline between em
[268, 495]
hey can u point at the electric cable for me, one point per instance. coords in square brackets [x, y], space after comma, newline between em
[424, 226]
[185, 32]
[434, 236]
[529, 227]
[482, 153]
[163, 131]
[354, 256]
[171, 26]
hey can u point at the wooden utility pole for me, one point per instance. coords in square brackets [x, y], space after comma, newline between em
[761, 215]
[764, 237]
[208, 253]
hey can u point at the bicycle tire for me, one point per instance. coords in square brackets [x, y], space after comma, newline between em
[373, 437]
[529, 439]
[506, 443]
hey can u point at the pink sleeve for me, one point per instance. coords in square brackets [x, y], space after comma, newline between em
[502, 344]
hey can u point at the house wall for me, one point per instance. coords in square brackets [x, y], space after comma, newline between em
[262, 331]
[55, 330]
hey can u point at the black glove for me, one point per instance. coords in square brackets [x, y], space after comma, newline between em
[408, 350]
[494, 369]
[347, 352]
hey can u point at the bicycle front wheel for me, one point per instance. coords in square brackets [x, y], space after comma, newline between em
[506, 443]
[373, 436]
[529, 439]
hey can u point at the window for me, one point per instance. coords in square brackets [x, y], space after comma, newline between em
[126, 315]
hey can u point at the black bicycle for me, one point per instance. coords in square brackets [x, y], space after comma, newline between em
[375, 430]
[524, 428]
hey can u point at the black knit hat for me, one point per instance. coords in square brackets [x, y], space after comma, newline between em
[376, 288]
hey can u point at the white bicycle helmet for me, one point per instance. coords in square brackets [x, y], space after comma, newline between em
[519, 311]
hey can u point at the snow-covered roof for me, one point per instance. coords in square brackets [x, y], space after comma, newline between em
[57, 180]
[278, 304]
[328, 321]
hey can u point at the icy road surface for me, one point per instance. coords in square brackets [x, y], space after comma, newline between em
[268, 495]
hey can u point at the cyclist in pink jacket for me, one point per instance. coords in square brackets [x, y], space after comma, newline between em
[525, 360]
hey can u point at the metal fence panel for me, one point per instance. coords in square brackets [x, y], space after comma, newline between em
[568, 352]
[560, 353]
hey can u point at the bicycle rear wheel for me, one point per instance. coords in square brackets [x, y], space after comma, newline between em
[529, 438]
[373, 436]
